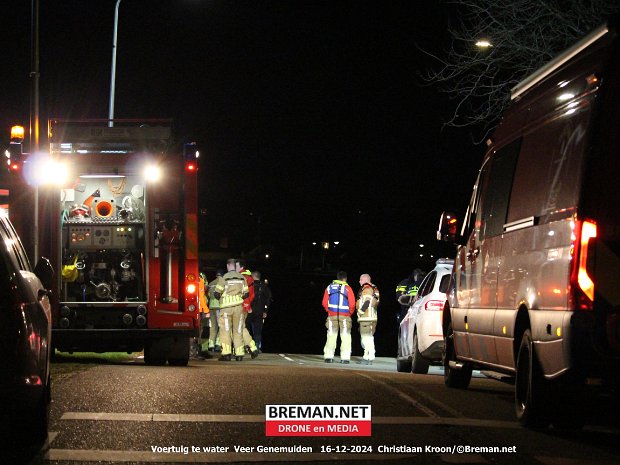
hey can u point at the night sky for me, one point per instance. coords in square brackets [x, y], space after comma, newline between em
[311, 117]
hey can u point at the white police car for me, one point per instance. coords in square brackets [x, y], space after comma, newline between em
[420, 336]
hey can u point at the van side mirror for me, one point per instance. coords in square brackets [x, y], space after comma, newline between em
[45, 272]
[405, 299]
[448, 224]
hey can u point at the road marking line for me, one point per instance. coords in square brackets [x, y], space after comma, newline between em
[407, 398]
[189, 417]
[173, 417]
[432, 400]
[107, 416]
[445, 421]
[119, 456]
[289, 359]
[209, 418]
[309, 359]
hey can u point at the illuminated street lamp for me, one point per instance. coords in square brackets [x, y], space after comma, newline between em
[484, 44]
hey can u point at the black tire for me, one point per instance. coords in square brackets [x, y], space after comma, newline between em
[403, 365]
[531, 400]
[178, 354]
[154, 354]
[41, 416]
[29, 427]
[454, 377]
[571, 403]
[419, 365]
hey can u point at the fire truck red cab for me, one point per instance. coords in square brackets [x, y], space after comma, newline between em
[122, 231]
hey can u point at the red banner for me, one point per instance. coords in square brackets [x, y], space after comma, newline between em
[317, 428]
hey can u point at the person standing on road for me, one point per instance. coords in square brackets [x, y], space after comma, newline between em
[260, 306]
[231, 295]
[408, 286]
[204, 315]
[339, 303]
[367, 303]
[248, 343]
[213, 343]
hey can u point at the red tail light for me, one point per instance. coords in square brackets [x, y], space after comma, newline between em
[191, 288]
[581, 283]
[434, 305]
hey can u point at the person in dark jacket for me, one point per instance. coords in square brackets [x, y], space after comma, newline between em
[260, 307]
[408, 286]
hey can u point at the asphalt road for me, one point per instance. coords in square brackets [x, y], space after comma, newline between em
[126, 412]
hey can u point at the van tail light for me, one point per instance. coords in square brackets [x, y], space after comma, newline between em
[581, 282]
[435, 305]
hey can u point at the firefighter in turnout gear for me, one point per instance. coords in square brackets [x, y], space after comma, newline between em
[213, 343]
[248, 343]
[204, 312]
[231, 322]
[367, 303]
[339, 303]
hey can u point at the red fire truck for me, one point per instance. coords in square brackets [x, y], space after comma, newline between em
[121, 233]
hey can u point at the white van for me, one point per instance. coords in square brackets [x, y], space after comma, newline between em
[536, 283]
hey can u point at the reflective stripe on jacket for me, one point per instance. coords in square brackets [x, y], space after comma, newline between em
[202, 298]
[213, 301]
[339, 299]
[233, 290]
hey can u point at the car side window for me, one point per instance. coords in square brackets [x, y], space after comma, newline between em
[14, 246]
[444, 283]
[494, 199]
[5, 273]
[5, 282]
[428, 284]
[469, 222]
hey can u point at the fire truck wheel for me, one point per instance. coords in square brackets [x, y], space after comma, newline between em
[154, 353]
[179, 352]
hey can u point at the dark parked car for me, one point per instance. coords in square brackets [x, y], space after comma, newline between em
[25, 333]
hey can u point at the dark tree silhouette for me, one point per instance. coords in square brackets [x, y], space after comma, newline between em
[524, 34]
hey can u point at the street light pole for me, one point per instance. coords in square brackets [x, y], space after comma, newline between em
[34, 115]
[34, 75]
[113, 74]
